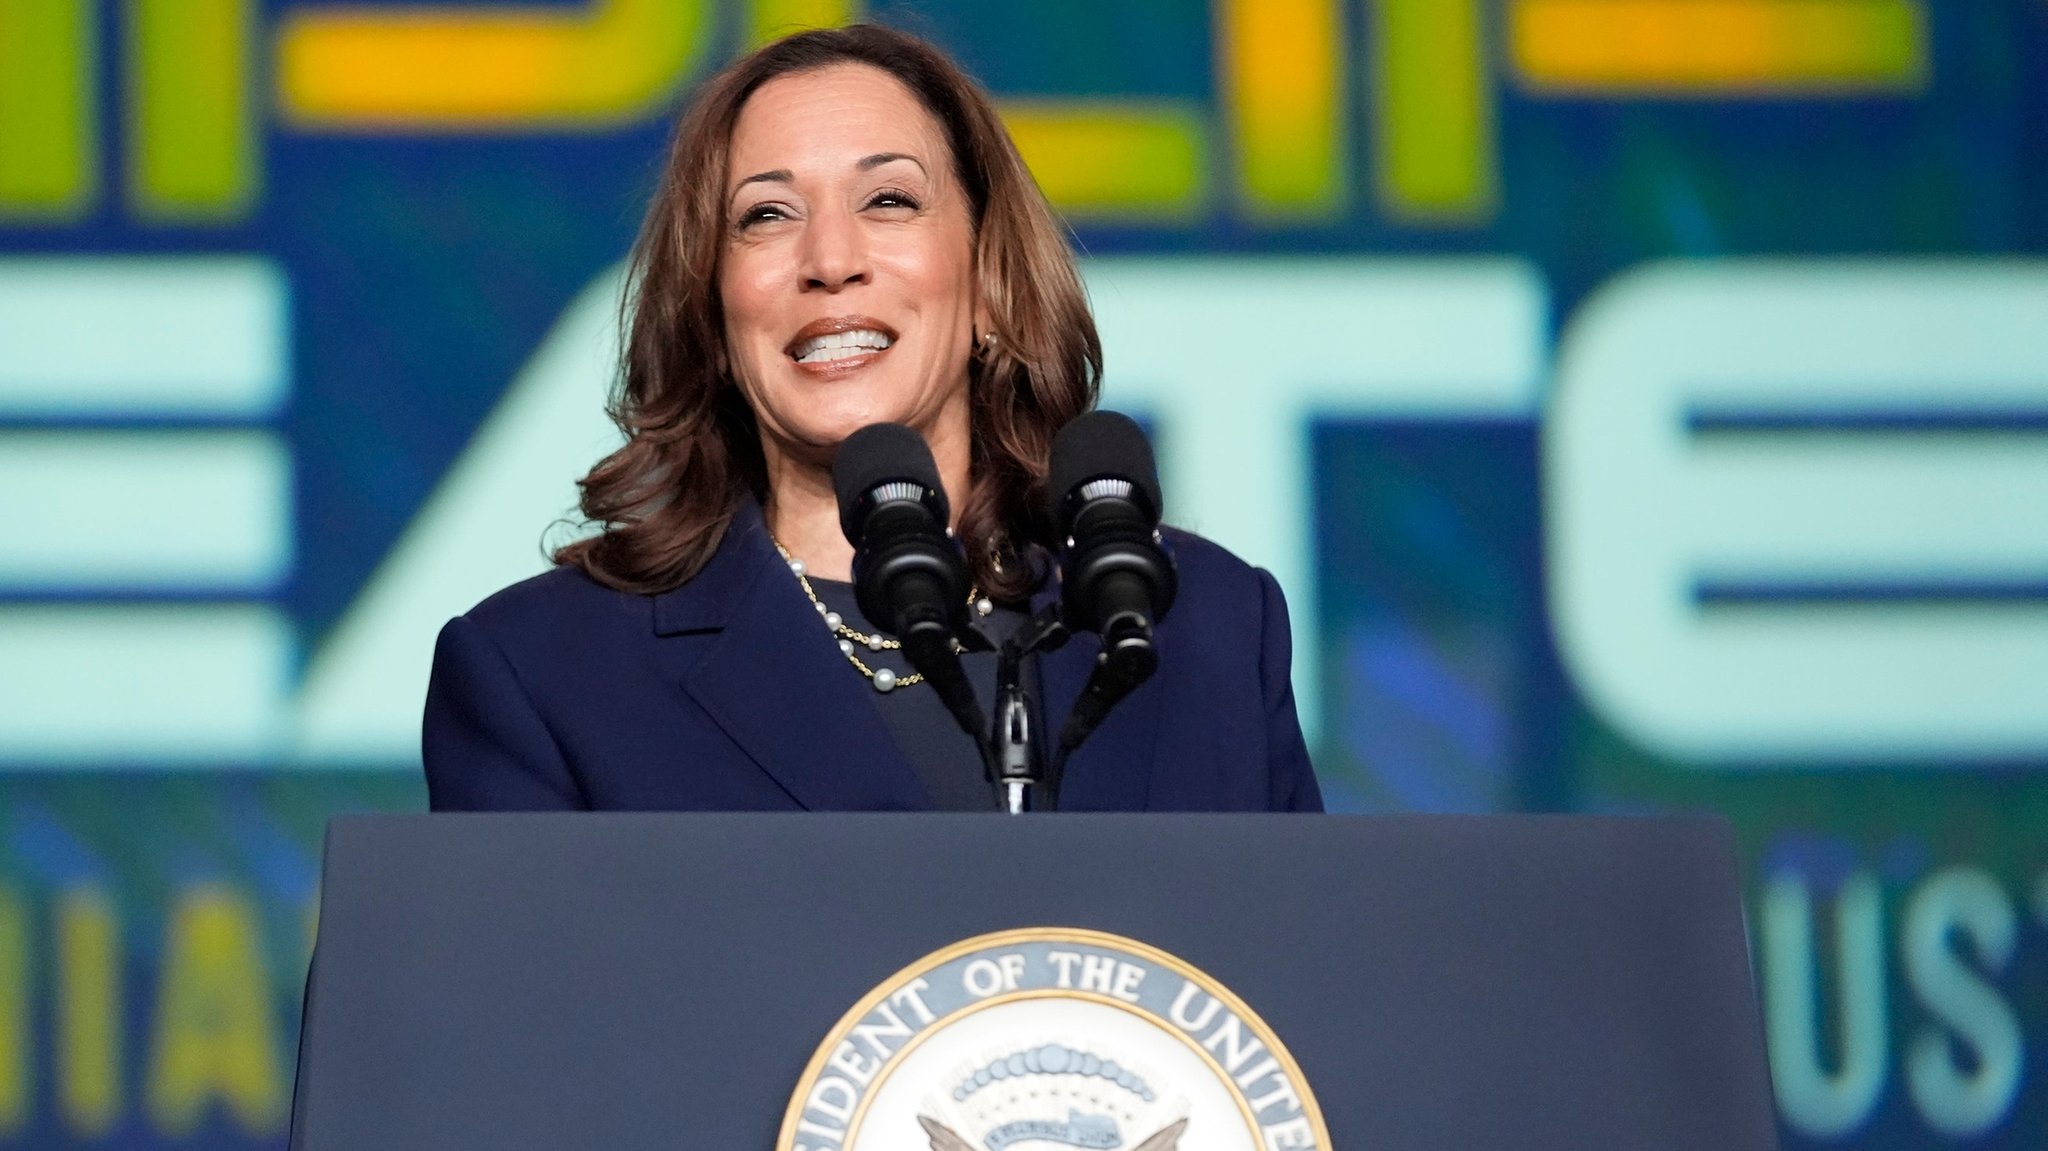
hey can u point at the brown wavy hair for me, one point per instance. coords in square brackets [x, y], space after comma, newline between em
[692, 454]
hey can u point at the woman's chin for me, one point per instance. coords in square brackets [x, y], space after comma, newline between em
[819, 434]
[830, 419]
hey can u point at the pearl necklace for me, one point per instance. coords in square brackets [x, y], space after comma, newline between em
[850, 641]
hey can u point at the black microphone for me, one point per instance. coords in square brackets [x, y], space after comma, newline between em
[908, 576]
[1116, 577]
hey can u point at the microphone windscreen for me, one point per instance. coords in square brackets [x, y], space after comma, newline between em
[881, 454]
[1099, 445]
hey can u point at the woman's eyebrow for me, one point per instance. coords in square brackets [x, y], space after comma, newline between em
[778, 176]
[880, 158]
[868, 163]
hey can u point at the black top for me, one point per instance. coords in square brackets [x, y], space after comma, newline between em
[930, 738]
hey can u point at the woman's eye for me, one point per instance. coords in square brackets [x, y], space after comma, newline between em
[760, 213]
[893, 198]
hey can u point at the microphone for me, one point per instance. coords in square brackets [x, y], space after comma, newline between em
[908, 576]
[1116, 578]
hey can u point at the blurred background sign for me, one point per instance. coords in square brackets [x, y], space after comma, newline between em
[1644, 404]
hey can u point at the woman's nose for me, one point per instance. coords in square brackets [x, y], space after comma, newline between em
[834, 254]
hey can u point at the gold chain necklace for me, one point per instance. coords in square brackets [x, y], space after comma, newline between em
[851, 641]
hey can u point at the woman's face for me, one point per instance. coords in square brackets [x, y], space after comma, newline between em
[848, 272]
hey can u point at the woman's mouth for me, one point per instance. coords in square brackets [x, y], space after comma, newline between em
[833, 347]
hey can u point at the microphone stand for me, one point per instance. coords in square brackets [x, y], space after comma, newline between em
[1015, 763]
[1011, 751]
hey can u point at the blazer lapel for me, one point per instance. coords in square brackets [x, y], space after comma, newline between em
[1112, 770]
[773, 681]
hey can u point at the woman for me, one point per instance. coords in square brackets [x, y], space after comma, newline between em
[844, 235]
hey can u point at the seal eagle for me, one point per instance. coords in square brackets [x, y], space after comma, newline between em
[943, 1138]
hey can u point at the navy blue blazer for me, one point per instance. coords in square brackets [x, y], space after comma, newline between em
[726, 695]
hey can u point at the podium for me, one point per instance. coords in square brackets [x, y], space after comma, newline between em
[677, 981]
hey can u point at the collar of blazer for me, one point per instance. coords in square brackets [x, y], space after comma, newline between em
[773, 681]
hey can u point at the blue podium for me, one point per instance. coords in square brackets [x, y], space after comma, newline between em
[1038, 983]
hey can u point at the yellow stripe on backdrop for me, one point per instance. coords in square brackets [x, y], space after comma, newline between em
[482, 68]
[1280, 68]
[1107, 159]
[1683, 47]
[773, 19]
[1432, 111]
[17, 1024]
[48, 130]
[88, 1031]
[193, 140]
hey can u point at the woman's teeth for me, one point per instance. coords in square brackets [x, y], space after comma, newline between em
[840, 345]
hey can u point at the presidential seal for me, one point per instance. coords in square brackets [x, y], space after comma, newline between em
[1049, 1039]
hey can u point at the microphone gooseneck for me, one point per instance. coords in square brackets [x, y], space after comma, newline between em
[1117, 579]
[908, 576]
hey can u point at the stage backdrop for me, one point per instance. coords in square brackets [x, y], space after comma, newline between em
[1643, 402]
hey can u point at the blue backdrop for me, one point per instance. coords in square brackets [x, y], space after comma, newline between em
[1653, 395]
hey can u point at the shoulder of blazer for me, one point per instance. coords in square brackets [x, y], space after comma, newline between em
[561, 597]
[1210, 574]
[565, 606]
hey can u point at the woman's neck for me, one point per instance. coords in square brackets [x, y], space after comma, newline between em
[803, 510]
[803, 513]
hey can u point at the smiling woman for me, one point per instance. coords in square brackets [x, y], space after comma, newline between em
[848, 285]
[844, 235]
[851, 184]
